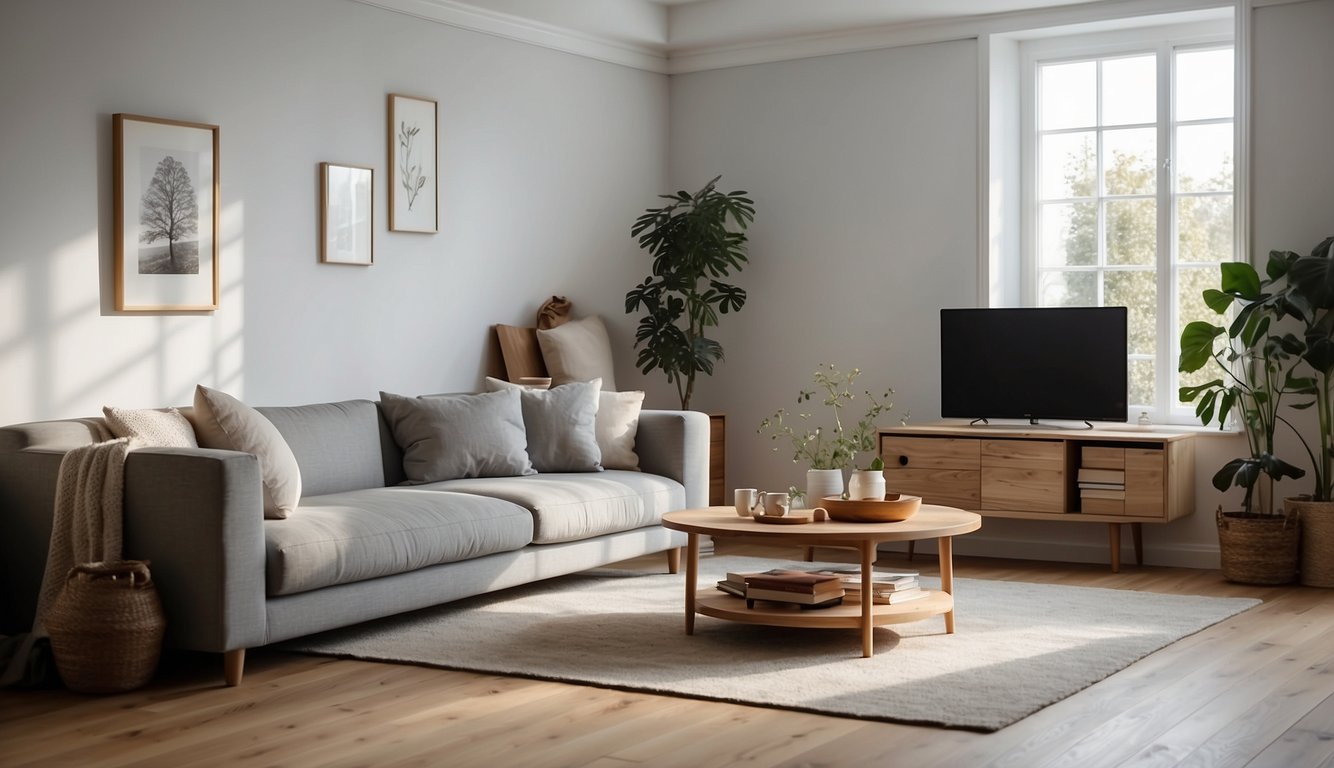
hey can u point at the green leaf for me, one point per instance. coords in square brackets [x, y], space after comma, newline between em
[1218, 301]
[1197, 345]
[1240, 279]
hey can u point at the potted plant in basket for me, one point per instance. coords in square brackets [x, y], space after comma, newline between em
[693, 249]
[827, 450]
[1309, 296]
[1256, 370]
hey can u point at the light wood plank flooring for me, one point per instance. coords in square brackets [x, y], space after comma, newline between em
[1255, 690]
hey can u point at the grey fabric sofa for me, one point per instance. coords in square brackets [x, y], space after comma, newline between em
[360, 546]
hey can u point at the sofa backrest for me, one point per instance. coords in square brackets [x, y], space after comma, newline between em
[337, 445]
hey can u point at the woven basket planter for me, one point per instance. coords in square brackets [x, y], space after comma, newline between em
[1317, 540]
[106, 627]
[1259, 549]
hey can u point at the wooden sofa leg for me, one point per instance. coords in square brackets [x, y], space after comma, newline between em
[233, 664]
[674, 560]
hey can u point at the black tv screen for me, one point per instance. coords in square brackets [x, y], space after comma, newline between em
[1050, 363]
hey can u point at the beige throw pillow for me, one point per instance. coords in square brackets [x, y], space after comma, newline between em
[616, 426]
[162, 428]
[578, 351]
[222, 421]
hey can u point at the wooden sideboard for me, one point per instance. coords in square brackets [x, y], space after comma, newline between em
[1035, 474]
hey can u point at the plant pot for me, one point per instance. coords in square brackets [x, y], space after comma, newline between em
[821, 483]
[1258, 549]
[1317, 524]
[866, 484]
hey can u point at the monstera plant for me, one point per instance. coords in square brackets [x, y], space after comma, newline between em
[696, 241]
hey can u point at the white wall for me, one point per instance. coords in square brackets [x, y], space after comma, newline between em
[545, 159]
[863, 168]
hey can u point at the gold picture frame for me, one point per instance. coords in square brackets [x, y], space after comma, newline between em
[413, 164]
[166, 189]
[347, 214]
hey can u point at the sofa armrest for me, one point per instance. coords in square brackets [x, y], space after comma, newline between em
[675, 444]
[198, 515]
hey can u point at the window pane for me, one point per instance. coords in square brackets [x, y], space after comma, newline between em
[1129, 159]
[1204, 228]
[1129, 90]
[1204, 84]
[1204, 158]
[1068, 95]
[1191, 283]
[1137, 291]
[1068, 168]
[1141, 383]
[1132, 232]
[1069, 234]
[1068, 289]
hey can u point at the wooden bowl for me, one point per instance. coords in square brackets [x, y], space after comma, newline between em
[894, 508]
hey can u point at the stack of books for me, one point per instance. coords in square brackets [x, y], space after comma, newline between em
[887, 587]
[1102, 483]
[780, 585]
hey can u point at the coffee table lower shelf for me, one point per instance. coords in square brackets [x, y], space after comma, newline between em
[845, 616]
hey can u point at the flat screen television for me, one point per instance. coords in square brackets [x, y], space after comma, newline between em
[1062, 363]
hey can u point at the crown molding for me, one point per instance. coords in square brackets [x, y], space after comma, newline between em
[672, 61]
[465, 16]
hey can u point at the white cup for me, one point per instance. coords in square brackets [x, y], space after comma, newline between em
[776, 504]
[746, 499]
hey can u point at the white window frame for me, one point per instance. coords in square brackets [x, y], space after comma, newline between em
[1164, 42]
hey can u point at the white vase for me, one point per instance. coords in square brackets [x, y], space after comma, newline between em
[866, 484]
[821, 483]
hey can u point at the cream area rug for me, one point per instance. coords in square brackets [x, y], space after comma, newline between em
[1018, 647]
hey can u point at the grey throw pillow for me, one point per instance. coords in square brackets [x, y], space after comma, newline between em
[561, 425]
[447, 437]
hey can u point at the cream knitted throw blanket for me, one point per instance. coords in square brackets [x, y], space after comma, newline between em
[85, 527]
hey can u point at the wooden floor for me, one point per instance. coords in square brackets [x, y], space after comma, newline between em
[1254, 690]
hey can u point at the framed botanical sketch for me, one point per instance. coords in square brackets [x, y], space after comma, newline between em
[412, 164]
[166, 214]
[347, 215]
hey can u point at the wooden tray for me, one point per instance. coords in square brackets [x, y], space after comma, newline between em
[785, 520]
[895, 507]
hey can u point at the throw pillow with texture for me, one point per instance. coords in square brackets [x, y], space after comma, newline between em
[578, 351]
[222, 421]
[163, 428]
[560, 424]
[446, 437]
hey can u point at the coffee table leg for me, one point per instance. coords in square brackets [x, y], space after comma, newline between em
[868, 561]
[945, 548]
[692, 575]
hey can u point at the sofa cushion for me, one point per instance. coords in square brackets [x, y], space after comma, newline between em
[337, 445]
[444, 437]
[568, 507]
[222, 421]
[345, 537]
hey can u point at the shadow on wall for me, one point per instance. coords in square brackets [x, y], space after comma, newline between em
[65, 351]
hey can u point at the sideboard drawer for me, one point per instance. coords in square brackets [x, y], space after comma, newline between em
[947, 487]
[1024, 454]
[929, 452]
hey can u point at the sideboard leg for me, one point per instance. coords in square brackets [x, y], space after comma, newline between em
[1114, 540]
[1137, 534]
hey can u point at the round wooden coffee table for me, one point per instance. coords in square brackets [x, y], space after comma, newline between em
[930, 522]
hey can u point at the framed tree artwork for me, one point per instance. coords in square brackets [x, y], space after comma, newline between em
[412, 164]
[347, 216]
[166, 214]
